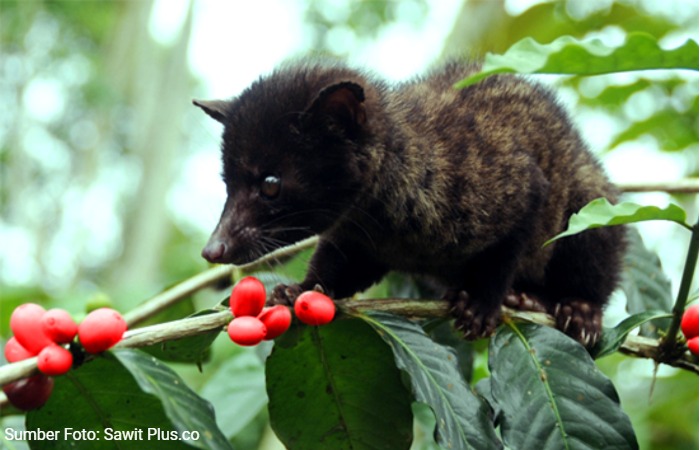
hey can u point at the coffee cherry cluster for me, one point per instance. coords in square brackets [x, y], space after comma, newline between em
[44, 334]
[253, 323]
[689, 326]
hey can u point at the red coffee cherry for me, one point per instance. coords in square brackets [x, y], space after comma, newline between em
[246, 330]
[59, 326]
[314, 308]
[689, 322]
[15, 352]
[54, 360]
[247, 297]
[693, 345]
[276, 319]
[101, 329]
[25, 323]
[29, 393]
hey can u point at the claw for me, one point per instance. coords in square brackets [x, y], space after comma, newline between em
[585, 338]
[579, 319]
[567, 323]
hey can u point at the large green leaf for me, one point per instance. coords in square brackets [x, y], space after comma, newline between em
[645, 284]
[567, 55]
[443, 332]
[237, 391]
[600, 213]
[551, 395]
[186, 410]
[463, 420]
[337, 387]
[102, 397]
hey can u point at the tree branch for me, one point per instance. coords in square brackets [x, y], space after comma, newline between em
[638, 346]
[688, 186]
[210, 277]
[141, 337]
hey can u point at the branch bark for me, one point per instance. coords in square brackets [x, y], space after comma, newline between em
[412, 308]
[689, 186]
[208, 278]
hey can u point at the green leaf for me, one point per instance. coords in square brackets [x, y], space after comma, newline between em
[464, 421]
[645, 284]
[567, 55]
[237, 391]
[614, 337]
[551, 395]
[186, 410]
[336, 387]
[600, 213]
[100, 396]
[443, 332]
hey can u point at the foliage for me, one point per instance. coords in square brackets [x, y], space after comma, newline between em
[344, 382]
[600, 213]
[463, 421]
[550, 394]
[140, 393]
[351, 394]
[567, 55]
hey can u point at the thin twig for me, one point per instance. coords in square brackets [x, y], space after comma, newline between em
[176, 293]
[210, 277]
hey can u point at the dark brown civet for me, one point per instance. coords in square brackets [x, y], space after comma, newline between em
[460, 185]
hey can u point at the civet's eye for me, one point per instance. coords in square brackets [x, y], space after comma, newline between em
[271, 186]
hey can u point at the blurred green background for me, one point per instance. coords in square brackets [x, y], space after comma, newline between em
[109, 180]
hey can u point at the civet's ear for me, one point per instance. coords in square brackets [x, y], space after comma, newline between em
[216, 109]
[344, 102]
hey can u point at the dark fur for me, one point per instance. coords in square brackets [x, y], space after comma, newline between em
[460, 185]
